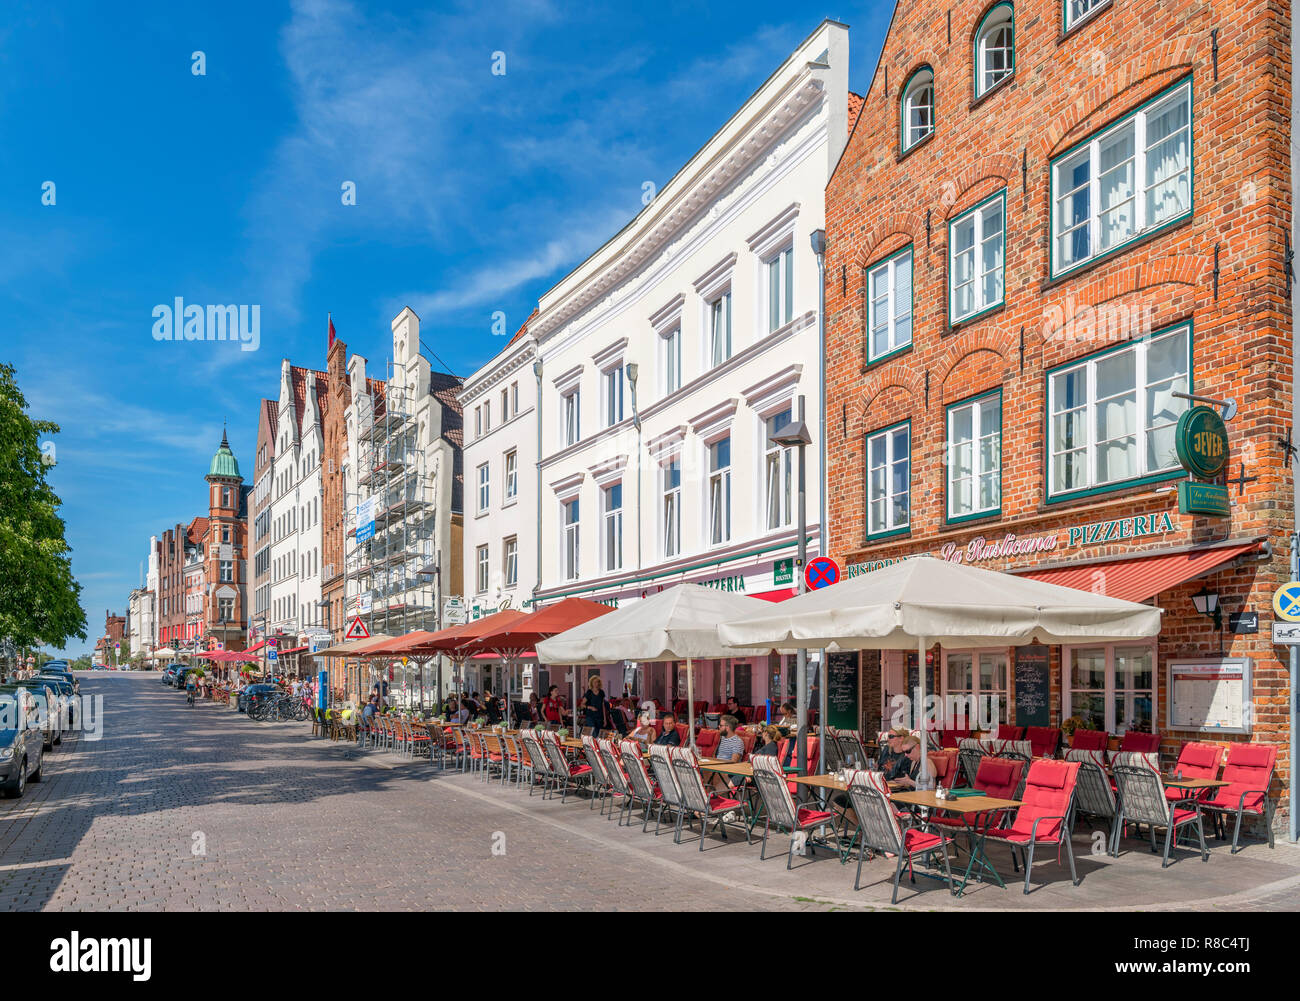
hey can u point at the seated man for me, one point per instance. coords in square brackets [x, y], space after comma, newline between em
[731, 748]
[733, 709]
[669, 737]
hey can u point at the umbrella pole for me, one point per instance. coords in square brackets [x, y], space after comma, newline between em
[925, 736]
[573, 708]
[690, 700]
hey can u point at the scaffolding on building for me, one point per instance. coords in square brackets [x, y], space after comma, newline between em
[383, 582]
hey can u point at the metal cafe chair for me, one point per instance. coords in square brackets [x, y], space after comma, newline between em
[781, 811]
[643, 787]
[698, 800]
[1142, 800]
[881, 832]
[617, 779]
[670, 796]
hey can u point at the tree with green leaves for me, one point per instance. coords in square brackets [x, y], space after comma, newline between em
[40, 601]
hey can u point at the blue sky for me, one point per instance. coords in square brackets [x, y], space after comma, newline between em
[474, 193]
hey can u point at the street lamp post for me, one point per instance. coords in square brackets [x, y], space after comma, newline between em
[795, 435]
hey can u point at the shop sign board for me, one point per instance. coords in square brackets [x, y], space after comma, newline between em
[1210, 696]
[1201, 440]
[783, 572]
[1209, 499]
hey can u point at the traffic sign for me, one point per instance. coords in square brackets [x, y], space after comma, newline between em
[357, 630]
[1286, 602]
[1286, 633]
[821, 572]
[272, 654]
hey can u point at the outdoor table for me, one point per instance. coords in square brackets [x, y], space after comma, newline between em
[1191, 788]
[962, 806]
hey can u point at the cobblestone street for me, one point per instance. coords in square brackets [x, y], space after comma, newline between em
[180, 808]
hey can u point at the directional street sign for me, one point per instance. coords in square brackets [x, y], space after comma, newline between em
[357, 630]
[821, 572]
[1286, 602]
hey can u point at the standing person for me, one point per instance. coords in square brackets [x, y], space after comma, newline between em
[534, 708]
[551, 706]
[492, 707]
[595, 705]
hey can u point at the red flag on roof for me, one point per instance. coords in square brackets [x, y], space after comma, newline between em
[331, 343]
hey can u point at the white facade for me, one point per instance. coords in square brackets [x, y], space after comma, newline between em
[403, 457]
[709, 299]
[296, 504]
[500, 546]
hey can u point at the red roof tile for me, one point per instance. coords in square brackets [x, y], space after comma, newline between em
[855, 109]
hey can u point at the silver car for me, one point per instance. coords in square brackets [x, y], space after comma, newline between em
[22, 751]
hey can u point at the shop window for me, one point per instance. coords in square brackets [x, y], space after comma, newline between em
[1111, 688]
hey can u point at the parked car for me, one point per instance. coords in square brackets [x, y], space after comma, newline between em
[101, 667]
[171, 672]
[253, 692]
[51, 710]
[65, 689]
[21, 746]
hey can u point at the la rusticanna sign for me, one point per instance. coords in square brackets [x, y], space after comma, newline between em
[985, 549]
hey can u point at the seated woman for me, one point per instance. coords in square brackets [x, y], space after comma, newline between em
[768, 740]
[789, 721]
[644, 732]
[907, 769]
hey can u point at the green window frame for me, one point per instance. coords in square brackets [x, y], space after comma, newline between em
[891, 332]
[1076, 12]
[994, 64]
[973, 457]
[977, 265]
[1094, 418]
[887, 456]
[916, 118]
[1120, 184]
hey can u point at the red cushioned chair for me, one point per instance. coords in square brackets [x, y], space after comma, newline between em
[944, 765]
[566, 774]
[718, 707]
[1045, 740]
[750, 739]
[1045, 816]
[699, 801]
[814, 746]
[998, 778]
[1248, 772]
[1143, 742]
[643, 787]
[706, 742]
[679, 707]
[1196, 761]
[1142, 801]
[780, 809]
[1011, 732]
[1090, 740]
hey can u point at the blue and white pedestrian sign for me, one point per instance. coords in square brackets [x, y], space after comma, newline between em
[821, 572]
[1286, 602]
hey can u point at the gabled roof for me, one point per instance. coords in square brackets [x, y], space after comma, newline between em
[522, 330]
[855, 108]
[271, 409]
[299, 379]
[197, 530]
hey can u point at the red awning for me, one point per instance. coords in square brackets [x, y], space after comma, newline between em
[512, 636]
[256, 646]
[780, 594]
[1145, 576]
[295, 649]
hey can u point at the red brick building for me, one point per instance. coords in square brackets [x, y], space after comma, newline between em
[114, 630]
[180, 547]
[1050, 219]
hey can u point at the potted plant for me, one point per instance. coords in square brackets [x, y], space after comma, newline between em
[1070, 725]
[562, 732]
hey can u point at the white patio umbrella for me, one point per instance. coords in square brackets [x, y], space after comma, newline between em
[680, 623]
[925, 600]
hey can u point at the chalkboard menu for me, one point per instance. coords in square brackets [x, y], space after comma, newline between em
[1033, 685]
[842, 690]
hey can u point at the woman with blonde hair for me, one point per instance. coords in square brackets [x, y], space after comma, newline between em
[595, 705]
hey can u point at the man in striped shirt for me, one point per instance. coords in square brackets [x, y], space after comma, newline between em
[730, 748]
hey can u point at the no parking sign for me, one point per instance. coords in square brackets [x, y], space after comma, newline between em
[821, 572]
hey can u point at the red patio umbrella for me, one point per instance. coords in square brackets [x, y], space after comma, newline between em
[512, 639]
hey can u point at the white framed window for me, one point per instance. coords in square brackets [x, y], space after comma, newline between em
[510, 561]
[484, 487]
[889, 305]
[487, 416]
[478, 422]
[671, 350]
[719, 487]
[778, 474]
[975, 457]
[1111, 687]
[918, 108]
[512, 474]
[889, 479]
[1112, 415]
[612, 540]
[505, 405]
[779, 274]
[720, 329]
[1078, 11]
[569, 513]
[670, 523]
[612, 383]
[227, 571]
[514, 398]
[570, 415]
[482, 564]
[995, 49]
[978, 674]
[977, 243]
[1129, 179]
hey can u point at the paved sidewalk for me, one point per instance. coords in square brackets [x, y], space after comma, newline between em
[201, 808]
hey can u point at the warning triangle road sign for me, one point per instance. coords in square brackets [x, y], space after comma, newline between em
[357, 630]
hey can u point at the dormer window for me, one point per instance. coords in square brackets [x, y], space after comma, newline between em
[995, 53]
[918, 108]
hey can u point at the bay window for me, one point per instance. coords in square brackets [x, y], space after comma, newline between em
[1128, 180]
[889, 474]
[1112, 416]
